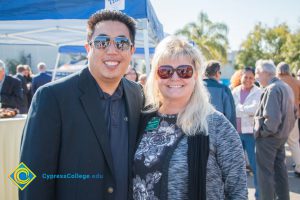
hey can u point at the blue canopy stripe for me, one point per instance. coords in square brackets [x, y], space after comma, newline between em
[64, 9]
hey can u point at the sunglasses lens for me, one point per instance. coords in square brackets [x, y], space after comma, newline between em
[184, 71]
[165, 71]
[101, 42]
[122, 43]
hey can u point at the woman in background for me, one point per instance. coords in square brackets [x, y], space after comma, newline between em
[235, 79]
[28, 76]
[246, 97]
[132, 74]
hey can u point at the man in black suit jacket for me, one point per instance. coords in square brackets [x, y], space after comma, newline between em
[41, 79]
[86, 124]
[20, 75]
[11, 94]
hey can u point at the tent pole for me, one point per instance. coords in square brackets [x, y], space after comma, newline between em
[146, 48]
[56, 66]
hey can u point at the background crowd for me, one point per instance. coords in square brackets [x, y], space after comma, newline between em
[17, 91]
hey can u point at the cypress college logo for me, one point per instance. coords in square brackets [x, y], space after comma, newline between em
[115, 4]
[22, 176]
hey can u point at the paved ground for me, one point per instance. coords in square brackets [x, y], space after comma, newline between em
[294, 182]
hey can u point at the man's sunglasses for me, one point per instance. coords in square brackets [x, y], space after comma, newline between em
[120, 43]
[167, 71]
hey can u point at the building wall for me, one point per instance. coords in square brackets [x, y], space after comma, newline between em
[38, 53]
[228, 69]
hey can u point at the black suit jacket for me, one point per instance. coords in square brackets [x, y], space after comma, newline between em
[40, 80]
[24, 103]
[66, 134]
[11, 93]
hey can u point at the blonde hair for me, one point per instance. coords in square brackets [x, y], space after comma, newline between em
[235, 79]
[194, 117]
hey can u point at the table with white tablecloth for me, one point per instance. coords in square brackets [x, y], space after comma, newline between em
[10, 139]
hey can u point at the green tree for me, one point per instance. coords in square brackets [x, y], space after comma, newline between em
[250, 49]
[291, 51]
[12, 64]
[210, 37]
[264, 43]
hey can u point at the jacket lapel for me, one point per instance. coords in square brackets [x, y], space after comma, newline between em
[91, 103]
[133, 109]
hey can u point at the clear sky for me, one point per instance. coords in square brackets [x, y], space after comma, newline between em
[239, 15]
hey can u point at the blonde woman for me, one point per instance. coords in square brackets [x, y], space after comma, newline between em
[187, 150]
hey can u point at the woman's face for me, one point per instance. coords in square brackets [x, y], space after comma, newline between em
[26, 72]
[176, 88]
[247, 79]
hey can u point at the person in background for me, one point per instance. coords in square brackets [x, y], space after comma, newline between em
[28, 73]
[284, 74]
[20, 75]
[40, 79]
[235, 79]
[273, 122]
[187, 149]
[143, 79]
[132, 74]
[87, 123]
[11, 94]
[220, 95]
[298, 74]
[298, 78]
[246, 97]
[28, 76]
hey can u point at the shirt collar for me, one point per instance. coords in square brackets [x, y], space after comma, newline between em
[118, 94]
[273, 80]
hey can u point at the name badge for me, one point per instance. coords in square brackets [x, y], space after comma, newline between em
[152, 124]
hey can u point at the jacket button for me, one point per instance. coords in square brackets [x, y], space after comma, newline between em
[110, 190]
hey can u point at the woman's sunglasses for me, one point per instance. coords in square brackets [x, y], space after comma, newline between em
[167, 71]
[120, 43]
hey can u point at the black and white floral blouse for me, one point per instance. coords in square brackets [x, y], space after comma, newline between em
[160, 162]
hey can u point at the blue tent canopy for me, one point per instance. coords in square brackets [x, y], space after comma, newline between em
[71, 49]
[63, 22]
[59, 22]
[142, 51]
[66, 9]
